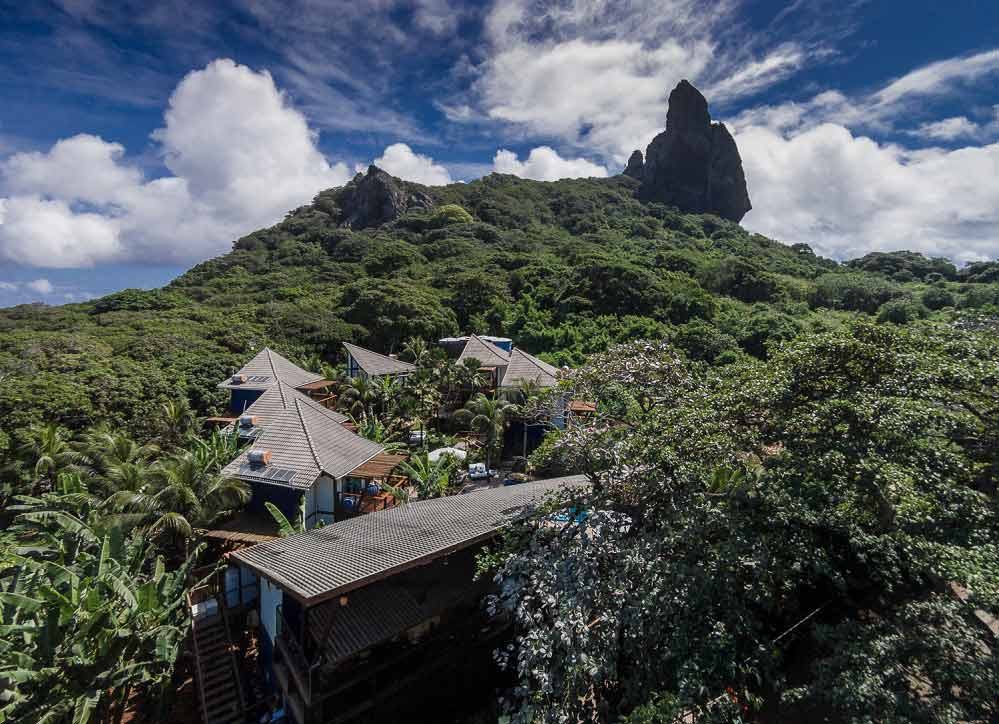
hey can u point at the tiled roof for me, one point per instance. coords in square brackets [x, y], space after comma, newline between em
[274, 401]
[524, 367]
[304, 440]
[268, 368]
[375, 364]
[325, 562]
[486, 352]
[387, 609]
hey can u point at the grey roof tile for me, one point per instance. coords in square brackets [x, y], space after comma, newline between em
[375, 364]
[324, 562]
[485, 351]
[525, 367]
[305, 438]
[266, 369]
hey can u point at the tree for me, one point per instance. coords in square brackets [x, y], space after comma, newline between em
[360, 397]
[818, 508]
[417, 351]
[937, 298]
[178, 421]
[285, 526]
[185, 492]
[488, 416]
[431, 479]
[46, 452]
[87, 616]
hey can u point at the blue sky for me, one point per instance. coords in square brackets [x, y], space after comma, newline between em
[137, 139]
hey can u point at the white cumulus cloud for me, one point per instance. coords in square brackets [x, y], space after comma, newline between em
[846, 195]
[400, 160]
[545, 164]
[240, 156]
[42, 286]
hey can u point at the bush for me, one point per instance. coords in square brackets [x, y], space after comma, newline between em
[450, 214]
[902, 311]
[852, 292]
[936, 298]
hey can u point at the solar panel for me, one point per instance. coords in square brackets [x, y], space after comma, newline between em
[268, 472]
[258, 378]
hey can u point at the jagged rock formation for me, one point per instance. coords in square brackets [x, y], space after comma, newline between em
[694, 164]
[375, 197]
[636, 166]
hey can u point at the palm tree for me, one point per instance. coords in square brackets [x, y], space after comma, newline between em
[178, 421]
[488, 416]
[417, 350]
[184, 493]
[113, 458]
[522, 396]
[431, 479]
[359, 397]
[387, 389]
[46, 452]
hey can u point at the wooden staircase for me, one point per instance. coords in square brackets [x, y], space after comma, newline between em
[219, 687]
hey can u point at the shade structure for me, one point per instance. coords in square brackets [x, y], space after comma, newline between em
[435, 455]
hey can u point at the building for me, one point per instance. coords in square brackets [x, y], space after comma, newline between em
[356, 612]
[364, 363]
[299, 448]
[266, 369]
[507, 366]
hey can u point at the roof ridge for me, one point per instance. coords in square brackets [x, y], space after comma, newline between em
[270, 361]
[308, 435]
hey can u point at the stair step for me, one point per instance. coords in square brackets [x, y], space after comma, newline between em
[214, 677]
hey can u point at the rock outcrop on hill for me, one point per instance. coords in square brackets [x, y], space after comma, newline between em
[694, 164]
[375, 197]
[636, 166]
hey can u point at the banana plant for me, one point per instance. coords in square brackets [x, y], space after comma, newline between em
[87, 615]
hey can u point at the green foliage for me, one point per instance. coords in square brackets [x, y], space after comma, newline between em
[936, 298]
[902, 311]
[853, 292]
[786, 535]
[88, 615]
[449, 214]
[904, 266]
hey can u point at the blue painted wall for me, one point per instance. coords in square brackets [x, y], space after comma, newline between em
[239, 400]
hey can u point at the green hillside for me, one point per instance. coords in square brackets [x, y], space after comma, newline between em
[566, 268]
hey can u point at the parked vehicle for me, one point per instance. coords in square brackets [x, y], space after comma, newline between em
[479, 471]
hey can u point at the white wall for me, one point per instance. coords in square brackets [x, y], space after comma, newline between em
[270, 598]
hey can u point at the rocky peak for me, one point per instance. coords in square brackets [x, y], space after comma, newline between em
[375, 197]
[636, 166]
[694, 164]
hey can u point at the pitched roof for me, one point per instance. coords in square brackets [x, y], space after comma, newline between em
[268, 368]
[325, 562]
[525, 367]
[485, 351]
[275, 400]
[375, 364]
[304, 440]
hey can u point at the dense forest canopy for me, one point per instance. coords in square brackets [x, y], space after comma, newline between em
[566, 268]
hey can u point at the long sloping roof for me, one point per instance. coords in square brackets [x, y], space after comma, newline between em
[485, 351]
[304, 440]
[375, 364]
[525, 367]
[266, 369]
[275, 400]
[326, 562]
